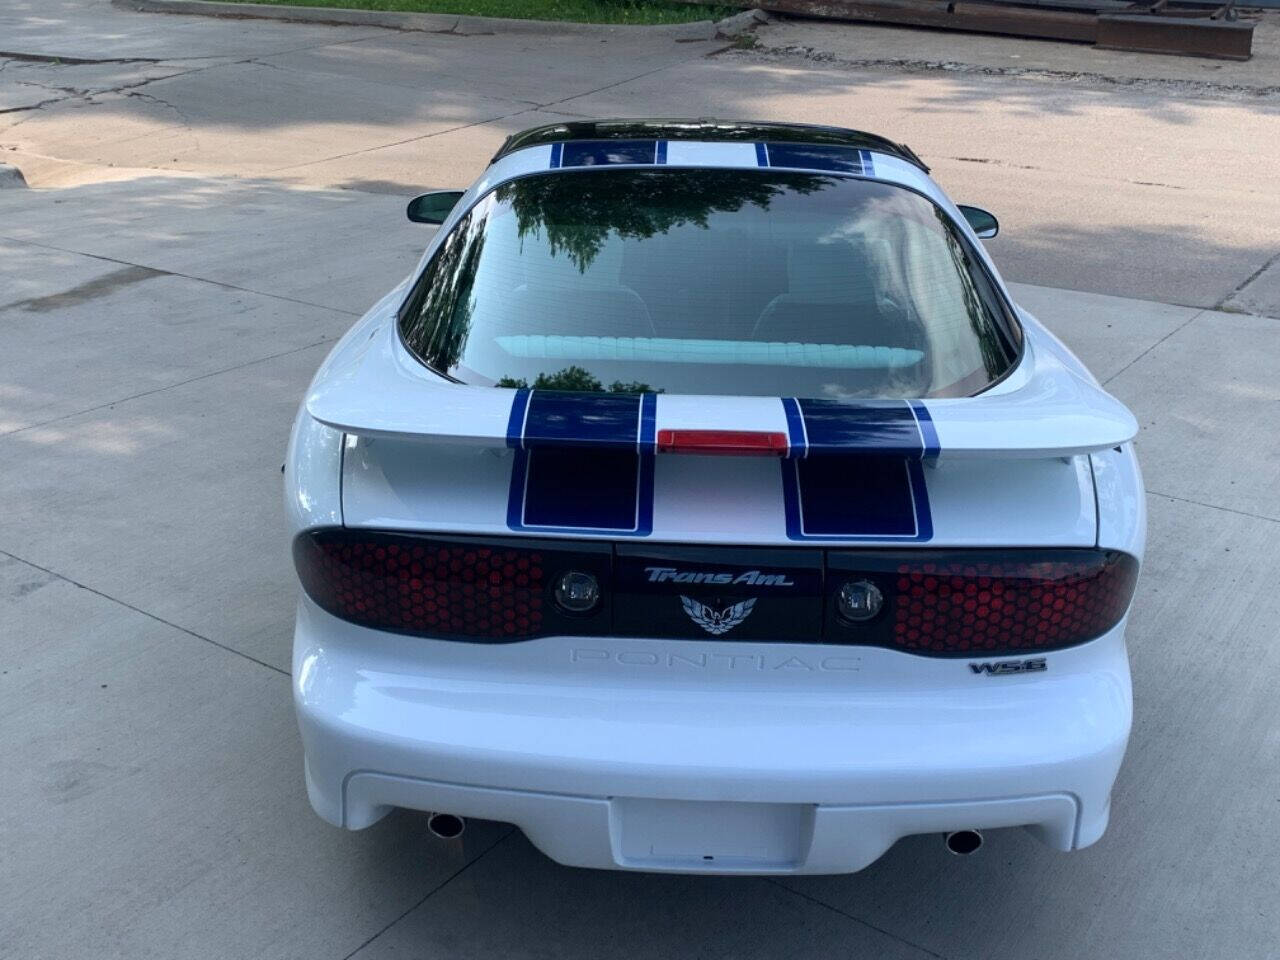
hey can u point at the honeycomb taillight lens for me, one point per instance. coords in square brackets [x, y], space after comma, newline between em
[1010, 603]
[991, 601]
[937, 603]
[432, 586]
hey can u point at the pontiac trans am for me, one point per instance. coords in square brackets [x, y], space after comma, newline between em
[703, 502]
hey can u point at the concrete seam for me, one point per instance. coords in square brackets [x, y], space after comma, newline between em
[1178, 329]
[73, 61]
[184, 276]
[88, 96]
[860, 922]
[1213, 506]
[397, 143]
[228, 58]
[1248, 280]
[479, 123]
[619, 83]
[313, 71]
[148, 393]
[36, 106]
[139, 610]
[434, 890]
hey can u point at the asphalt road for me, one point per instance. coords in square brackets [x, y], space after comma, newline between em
[215, 201]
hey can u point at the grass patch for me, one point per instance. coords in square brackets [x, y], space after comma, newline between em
[577, 11]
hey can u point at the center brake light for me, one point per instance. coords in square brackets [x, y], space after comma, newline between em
[725, 443]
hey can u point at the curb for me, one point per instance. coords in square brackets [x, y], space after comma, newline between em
[742, 23]
[11, 176]
[459, 24]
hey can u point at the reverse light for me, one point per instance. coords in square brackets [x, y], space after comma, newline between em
[859, 600]
[577, 592]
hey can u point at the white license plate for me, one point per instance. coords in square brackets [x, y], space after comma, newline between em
[711, 835]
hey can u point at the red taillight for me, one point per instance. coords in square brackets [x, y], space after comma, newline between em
[972, 604]
[729, 443]
[415, 585]
[928, 602]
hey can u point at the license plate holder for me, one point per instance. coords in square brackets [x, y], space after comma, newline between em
[708, 835]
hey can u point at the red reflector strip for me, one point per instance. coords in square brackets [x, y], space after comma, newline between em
[727, 443]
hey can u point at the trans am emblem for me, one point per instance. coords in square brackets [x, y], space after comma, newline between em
[716, 622]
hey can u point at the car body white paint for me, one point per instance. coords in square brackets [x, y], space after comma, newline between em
[630, 752]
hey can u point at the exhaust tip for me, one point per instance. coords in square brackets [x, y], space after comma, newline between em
[963, 842]
[446, 826]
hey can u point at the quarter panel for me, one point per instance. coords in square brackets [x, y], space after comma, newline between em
[1122, 501]
[312, 475]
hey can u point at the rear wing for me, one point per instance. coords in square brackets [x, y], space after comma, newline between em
[1055, 413]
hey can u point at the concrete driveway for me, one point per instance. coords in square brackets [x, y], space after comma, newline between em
[215, 201]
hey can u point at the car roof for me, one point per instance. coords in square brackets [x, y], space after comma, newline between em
[705, 130]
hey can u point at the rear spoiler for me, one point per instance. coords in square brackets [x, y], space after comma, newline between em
[1055, 413]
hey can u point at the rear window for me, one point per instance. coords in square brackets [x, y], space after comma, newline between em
[703, 281]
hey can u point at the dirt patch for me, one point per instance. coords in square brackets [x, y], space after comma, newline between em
[90, 290]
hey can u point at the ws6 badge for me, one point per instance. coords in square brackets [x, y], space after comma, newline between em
[1005, 668]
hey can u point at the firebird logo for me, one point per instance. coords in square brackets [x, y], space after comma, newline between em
[716, 622]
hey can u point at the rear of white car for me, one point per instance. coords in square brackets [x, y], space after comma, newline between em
[776, 599]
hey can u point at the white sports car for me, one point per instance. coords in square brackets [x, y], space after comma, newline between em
[703, 503]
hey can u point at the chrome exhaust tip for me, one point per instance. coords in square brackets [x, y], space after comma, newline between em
[963, 842]
[446, 826]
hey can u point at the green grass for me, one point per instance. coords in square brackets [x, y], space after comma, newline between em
[578, 11]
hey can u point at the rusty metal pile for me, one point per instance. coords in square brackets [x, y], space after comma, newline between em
[1186, 27]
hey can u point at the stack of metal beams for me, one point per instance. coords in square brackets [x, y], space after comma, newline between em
[1188, 27]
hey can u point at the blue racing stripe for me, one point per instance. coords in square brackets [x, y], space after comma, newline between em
[797, 442]
[884, 428]
[591, 153]
[515, 494]
[815, 156]
[602, 420]
[584, 462]
[648, 442]
[855, 498]
[868, 166]
[762, 155]
[557, 150]
[580, 489]
[515, 422]
[928, 432]
[662, 152]
[854, 470]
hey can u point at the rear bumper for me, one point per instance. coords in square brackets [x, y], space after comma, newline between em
[621, 755]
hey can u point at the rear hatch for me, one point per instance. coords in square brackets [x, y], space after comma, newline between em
[1006, 468]
[753, 542]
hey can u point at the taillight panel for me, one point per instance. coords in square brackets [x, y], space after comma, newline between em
[928, 602]
[455, 588]
[962, 602]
